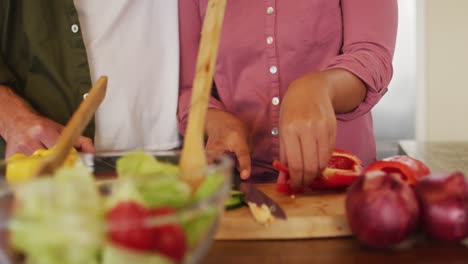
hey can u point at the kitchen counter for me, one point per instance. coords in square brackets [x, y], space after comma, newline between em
[439, 156]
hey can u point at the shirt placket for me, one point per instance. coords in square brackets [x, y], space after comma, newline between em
[81, 78]
[273, 71]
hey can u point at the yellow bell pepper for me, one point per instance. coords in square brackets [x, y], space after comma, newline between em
[20, 167]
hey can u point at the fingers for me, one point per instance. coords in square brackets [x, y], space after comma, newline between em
[48, 137]
[306, 149]
[324, 150]
[289, 142]
[332, 134]
[26, 146]
[85, 144]
[282, 176]
[214, 148]
[236, 146]
[243, 157]
[310, 157]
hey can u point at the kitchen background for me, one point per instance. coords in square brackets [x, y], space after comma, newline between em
[427, 96]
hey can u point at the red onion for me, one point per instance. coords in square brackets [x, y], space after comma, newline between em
[382, 210]
[444, 205]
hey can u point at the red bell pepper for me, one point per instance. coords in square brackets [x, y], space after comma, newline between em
[410, 169]
[342, 170]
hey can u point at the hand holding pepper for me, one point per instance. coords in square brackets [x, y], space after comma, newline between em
[308, 121]
[343, 168]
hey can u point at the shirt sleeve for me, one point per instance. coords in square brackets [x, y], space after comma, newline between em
[6, 76]
[369, 35]
[190, 24]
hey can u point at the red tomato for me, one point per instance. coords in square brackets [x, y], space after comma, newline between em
[169, 239]
[130, 227]
[127, 229]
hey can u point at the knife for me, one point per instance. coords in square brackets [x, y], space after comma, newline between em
[254, 195]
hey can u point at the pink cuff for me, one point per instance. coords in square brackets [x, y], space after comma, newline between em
[374, 70]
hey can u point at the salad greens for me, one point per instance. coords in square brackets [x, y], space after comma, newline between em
[63, 218]
[139, 164]
[53, 222]
[116, 255]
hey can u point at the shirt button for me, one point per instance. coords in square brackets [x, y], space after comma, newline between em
[273, 70]
[269, 40]
[75, 28]
[275, 101]
[270, 10]
[85, 95]
[274, 131]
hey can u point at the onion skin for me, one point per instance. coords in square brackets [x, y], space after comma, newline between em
[444, 205]
[382, 210]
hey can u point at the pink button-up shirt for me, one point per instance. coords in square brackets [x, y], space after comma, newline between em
[267, 44]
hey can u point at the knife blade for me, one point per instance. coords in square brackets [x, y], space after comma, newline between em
[254, 195]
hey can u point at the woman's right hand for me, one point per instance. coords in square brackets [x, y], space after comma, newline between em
[226, 133]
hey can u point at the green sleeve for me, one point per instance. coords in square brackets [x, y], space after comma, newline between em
[6, 76]
[8, 79]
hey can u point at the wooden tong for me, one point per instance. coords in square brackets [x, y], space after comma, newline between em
[193, 160]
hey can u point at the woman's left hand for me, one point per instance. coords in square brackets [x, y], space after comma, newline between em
[307, 129]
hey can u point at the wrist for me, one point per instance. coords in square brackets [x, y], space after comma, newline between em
[12, 109]
[320, 84]
[345, 90]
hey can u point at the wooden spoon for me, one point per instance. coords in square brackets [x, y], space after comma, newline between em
[193, 161]
[74, 128]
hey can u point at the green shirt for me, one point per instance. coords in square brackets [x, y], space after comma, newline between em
[43, 57]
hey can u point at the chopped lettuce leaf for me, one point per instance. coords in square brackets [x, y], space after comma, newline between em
[124, 190]
[140, 164]
[210, 185]
[59, 219]
[198, 227]
[117, 255]
[165, 191]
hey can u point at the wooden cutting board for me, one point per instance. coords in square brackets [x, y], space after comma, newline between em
[314, 215]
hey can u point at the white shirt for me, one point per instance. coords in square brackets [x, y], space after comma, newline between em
[135, 44]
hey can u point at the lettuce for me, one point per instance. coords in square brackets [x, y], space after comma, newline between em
[165, 191]
[59, 219]
[116, 255]
[140, 164]
[210, 185]
[198, 227]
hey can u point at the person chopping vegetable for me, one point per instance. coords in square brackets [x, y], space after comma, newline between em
[52, 51]
[293, 80]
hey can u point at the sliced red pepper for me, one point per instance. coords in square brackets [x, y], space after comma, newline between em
[342, 170]
[277, 165]
[410, 169]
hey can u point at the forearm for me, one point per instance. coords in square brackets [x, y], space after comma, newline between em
[11, 107]
[345, 89]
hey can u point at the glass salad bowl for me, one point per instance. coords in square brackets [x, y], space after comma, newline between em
[110, 209]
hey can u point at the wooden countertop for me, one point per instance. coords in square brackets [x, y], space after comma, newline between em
[438, 156]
